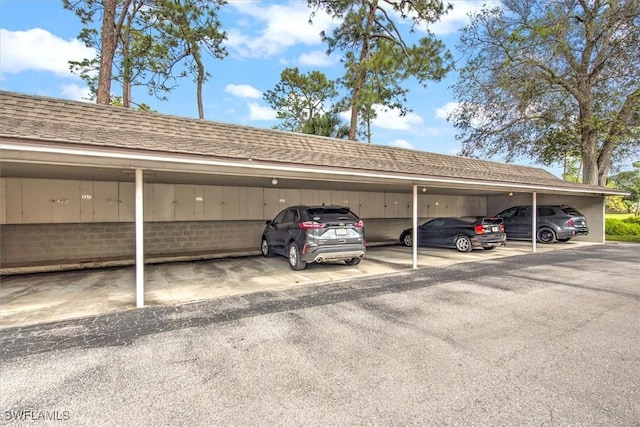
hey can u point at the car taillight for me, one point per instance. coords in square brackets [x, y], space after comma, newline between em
[570, 223]
[359, 224]
[479, 229]
[501, 227]
[311, 224]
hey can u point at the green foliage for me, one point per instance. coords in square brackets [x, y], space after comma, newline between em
[551, 80]
[616, 204]
[634, 220]
[629, 181]
[328, 124]
[154, 39]
[299, 98]
[378, 56]
[629, 227]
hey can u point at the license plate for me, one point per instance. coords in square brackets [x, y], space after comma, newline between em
[341, 231]
[495, 228]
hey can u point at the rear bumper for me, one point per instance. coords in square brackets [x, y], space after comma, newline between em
[564, 234]
[490, 240]
[333, 253]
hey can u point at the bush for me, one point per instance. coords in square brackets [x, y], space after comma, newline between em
[633, 220]
[626, 227]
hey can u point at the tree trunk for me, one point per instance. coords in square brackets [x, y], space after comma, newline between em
[355, 100]
[107, 52]
[126, 73]
[200, 77]
[590, 165]
[364, 54]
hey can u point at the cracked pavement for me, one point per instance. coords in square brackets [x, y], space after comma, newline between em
[542, 339]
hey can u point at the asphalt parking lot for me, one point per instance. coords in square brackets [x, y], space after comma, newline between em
[54, 296]
[545, 339]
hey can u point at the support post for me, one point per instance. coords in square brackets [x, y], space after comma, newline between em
[534, 222]
[415, 226]
[139, 238]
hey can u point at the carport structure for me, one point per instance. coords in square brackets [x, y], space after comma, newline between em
[89, 183]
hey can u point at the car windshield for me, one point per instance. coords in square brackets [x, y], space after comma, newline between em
[480, 220]
[490, 221]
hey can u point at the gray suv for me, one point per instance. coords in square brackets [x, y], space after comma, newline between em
[554, 223]
[306, 234]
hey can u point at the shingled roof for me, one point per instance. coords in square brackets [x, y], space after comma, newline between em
[85, 124]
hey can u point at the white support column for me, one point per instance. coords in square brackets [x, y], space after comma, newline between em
[415, 226]
[603, 238]
[534, 222]
[139, 239]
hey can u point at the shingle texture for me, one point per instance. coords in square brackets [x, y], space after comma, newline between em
[79, 123]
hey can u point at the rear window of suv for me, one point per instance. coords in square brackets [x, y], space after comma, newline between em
[332, 214]
[571, 211]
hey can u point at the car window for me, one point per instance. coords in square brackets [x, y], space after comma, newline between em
[545, 211]
[289, 216]
[468, 219]
[436, 223]
[571, 211]
[452, 222]
[280, 217]
[490, 221]
[524, 212]
[332, 214]
[508, 213]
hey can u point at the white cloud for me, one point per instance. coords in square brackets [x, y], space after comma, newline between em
[446, 110]
[391, 119]
[274, 27]
[258, 112]
[39, 50]
[317, 58]
[401, 143]
[243, 91]
[458, 17]
[76, 92]
[439, 131]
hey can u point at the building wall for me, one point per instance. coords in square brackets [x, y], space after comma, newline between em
[590, 207]
[62, 220]
[37, 243]
[57, 220]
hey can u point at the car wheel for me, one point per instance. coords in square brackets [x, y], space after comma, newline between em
[546, 235]
[488, 248]
[353, 261]
[407, 240]
[564, 240]
[294, 258]
[463, 244]
[264, 248]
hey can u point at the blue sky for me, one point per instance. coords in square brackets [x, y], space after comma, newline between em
[38, 37]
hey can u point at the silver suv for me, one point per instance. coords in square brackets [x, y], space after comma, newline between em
[554, 223]
[315, 234]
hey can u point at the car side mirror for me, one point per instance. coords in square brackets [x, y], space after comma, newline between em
[269, 222]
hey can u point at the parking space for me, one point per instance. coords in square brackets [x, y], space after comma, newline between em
[47, 297]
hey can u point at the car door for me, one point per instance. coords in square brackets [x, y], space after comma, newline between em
[510, 221]
[275, 233]
[289, 228]
[522, 223]
[452, 228]
[431, 233]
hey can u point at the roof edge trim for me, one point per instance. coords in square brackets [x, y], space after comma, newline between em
[256, 165]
